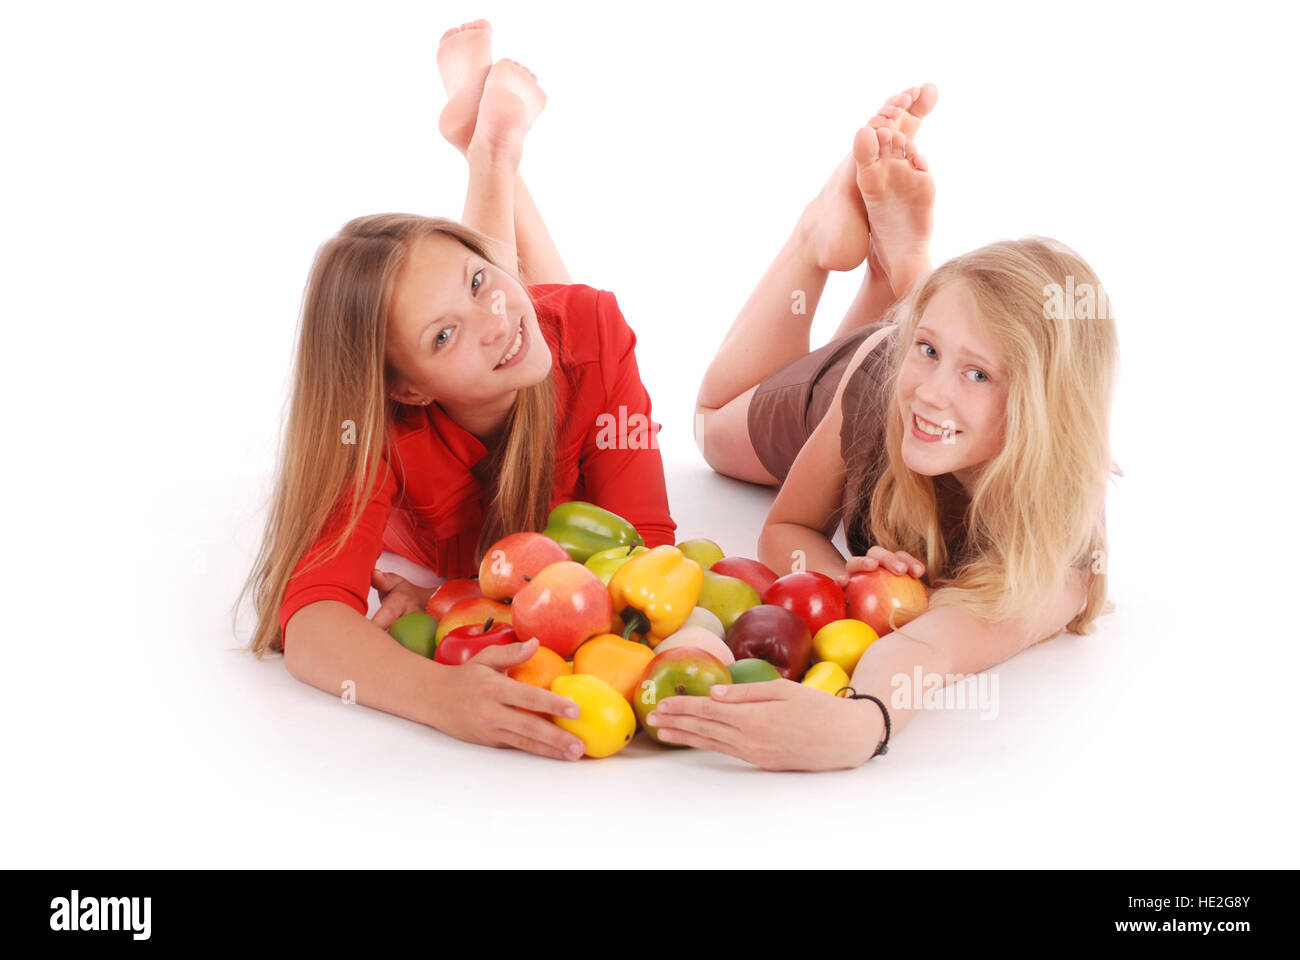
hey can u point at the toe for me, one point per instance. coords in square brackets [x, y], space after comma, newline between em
[926, 98]
[866, 146]
[919, 162]
[887, 115]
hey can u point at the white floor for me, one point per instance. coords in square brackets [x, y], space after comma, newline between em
[1144, 744]
[148, 339]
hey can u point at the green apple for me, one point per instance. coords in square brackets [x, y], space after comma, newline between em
[726, 597]
[752, 670]
[416, 631]
[704, 552]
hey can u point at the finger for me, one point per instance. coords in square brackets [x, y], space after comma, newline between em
[670, 709]
[916, 565]
[505, 655]
[542, 748]
[383, 580]
[861, 564]
[890, 560]
[520, 694]
[686, 738]
[692, 723]
[545, 731]
[385, 616]
[751, 692]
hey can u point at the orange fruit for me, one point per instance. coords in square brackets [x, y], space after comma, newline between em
[618, 662]
[540, 670]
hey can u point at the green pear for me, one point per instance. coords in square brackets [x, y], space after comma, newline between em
[704, 552]
[726, 597]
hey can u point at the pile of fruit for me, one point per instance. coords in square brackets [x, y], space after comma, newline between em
[621, 626]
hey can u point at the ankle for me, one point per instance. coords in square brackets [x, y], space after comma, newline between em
[490, 156]
[908, 272]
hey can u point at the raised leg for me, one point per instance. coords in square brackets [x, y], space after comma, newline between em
[510, 102]
[772, 328]
[464, 63]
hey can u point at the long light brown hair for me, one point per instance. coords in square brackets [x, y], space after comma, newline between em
[1038, 505]
[341, 376]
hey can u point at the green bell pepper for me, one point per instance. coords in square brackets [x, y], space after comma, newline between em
[583, 529]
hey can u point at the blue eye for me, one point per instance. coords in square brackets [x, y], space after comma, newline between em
[476, 281]
[923, 345]
[982, 374]
[442, 337]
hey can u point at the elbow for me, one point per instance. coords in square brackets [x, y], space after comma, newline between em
[297, 644]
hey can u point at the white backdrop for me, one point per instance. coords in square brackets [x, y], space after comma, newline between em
[169, 171]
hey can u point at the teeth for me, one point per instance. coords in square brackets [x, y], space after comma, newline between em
[925, 427]
[519, 342]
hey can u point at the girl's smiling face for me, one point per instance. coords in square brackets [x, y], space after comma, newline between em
[953, 384]
[454, 318]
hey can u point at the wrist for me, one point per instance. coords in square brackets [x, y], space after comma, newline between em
[434, 694]
[871, 730]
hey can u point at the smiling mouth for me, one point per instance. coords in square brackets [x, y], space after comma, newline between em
[930, 428]
[515, 344]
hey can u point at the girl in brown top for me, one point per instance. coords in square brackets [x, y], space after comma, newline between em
[957, 425]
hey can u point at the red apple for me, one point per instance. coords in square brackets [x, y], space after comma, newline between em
[449, 594]
[514, 560]
[876, 594]
[758, 575]
[464, 643]
[814, 597]
[472, 610]
[564, 605]
[773, 634]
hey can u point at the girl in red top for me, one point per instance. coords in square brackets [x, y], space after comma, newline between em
[439, 404]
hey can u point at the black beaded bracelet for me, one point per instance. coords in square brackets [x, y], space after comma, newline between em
[854, 695]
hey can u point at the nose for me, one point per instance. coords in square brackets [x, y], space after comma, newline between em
[932, 393]
[496, 326]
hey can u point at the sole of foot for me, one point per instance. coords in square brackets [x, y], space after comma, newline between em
[898, 192]
[510, 103]
[464, 60]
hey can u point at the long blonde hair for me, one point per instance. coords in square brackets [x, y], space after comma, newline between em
[1039, 504]
[341, 375]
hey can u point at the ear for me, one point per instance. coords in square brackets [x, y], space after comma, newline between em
[401, 391]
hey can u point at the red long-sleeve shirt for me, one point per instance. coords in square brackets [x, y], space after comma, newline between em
[429, 507]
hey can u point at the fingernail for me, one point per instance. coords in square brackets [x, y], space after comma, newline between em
[571, 712]
[575, 751]
[720, 689]
[652, 718]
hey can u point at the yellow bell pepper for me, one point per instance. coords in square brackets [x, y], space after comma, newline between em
[656, 591]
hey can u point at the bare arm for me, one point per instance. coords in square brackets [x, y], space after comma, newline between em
[783, 725]
[328, 644]
[807, 509]
[951, 643]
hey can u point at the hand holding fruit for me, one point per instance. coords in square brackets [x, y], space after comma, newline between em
[774, 724]
[477, 703]
[895, 561]
[397, 597]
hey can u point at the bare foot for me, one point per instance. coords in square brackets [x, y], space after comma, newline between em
[905, 111]
[464, 59]
[834, 226]
[510, 103]
[898, 192]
